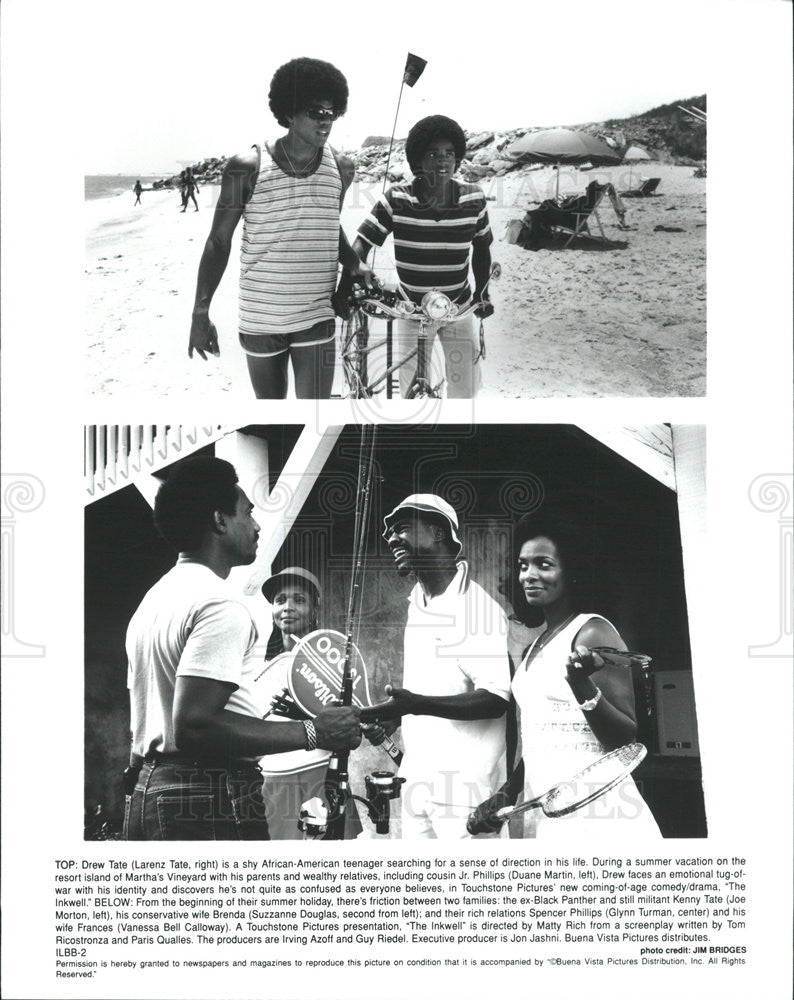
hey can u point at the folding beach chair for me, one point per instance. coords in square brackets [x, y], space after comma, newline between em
[571, 218]
[647, 188]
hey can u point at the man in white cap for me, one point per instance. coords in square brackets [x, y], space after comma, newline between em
[456, 675]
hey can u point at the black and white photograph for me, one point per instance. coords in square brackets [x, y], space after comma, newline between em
[379, 178]
[397, 499]
[514, 620]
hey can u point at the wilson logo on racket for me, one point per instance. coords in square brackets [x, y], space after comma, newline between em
[315, 677]
[315, 680]
[322, 692]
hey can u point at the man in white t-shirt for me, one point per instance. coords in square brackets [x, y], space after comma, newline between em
[456, 675]
[197, 730]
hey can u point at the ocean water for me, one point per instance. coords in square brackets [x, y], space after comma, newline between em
[108, 185]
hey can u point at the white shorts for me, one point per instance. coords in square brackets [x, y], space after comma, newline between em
[425, 819]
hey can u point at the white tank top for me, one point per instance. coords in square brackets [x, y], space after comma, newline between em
[557, 742]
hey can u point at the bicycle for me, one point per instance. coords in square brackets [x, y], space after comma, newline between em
[435, 310]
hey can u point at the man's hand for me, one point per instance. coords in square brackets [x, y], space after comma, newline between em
[377, 733]
[203, 336]
[362, 274]
[484, 818]
[354, 283]
[401, 702]
[284, 705]
[338, 728]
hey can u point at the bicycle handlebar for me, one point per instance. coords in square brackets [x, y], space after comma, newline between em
[380, 310]
[388, 304]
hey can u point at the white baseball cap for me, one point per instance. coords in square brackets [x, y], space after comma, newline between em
[426, 503]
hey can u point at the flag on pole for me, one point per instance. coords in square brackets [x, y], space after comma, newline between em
[414, 67]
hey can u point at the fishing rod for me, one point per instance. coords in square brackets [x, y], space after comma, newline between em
[337, 781]
[318, 663]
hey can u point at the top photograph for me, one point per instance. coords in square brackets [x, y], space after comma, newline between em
[443, 222]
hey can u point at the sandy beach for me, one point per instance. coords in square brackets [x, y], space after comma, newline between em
[584, 321]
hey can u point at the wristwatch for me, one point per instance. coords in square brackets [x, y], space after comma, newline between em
[590, 704]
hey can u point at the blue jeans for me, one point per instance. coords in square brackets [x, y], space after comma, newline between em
[189, 800]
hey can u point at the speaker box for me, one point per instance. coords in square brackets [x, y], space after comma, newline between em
[676, 724]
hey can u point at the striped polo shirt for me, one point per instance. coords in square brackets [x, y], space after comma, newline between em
[290, 248]
[431, 245]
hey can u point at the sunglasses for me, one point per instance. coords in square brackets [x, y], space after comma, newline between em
[323, 114]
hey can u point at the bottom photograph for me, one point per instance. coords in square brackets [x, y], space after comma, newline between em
[391, 632]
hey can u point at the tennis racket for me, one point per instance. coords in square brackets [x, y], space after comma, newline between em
[622, 657]
[587, 785]
[315, 677]
[610, 657]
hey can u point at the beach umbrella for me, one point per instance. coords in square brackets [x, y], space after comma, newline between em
[634, 154]
[563, 145]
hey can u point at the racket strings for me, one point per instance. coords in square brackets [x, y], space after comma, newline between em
[593, 781]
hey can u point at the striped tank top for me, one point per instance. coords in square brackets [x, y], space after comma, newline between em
[290, 248]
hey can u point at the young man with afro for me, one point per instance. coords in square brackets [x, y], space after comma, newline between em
[289, 194]
[439, 225]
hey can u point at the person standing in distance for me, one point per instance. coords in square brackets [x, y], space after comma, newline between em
[189, 188]
[289, 194]
[456, 675]
[197, 731]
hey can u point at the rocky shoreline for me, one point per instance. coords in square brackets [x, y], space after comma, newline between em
[668, 135]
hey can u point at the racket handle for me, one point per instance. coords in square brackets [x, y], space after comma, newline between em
[507, 811]
[275, 701]
[491, 821]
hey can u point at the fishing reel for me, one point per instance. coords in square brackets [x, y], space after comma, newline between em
[382, 788]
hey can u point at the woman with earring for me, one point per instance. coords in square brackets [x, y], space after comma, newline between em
[290, 779]
[573, 705]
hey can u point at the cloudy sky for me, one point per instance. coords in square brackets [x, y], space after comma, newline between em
[170, 83]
